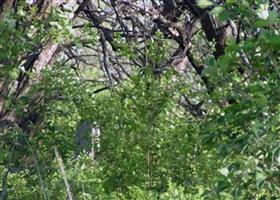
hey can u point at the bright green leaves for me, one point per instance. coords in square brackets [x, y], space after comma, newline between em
[260, 178]
[157, 49]
[60, 27]
[21, 32]
[150, 147]
[13, 74]
[125, 49]
[245, 116]
[224, 171]
[204, 3]
[271, 19]
[141, 124]
[217, 10]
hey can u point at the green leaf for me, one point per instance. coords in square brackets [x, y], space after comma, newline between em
[224, 171]
[13, 74]
[260, 178]
[217, 10]
[261, 23]
[204, 3]
[230, 2]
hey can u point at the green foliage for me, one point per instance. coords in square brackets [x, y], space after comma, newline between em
[150, 148]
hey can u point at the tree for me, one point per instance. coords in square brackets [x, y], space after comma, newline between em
[183, 92]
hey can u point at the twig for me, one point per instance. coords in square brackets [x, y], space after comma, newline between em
[62, 171]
